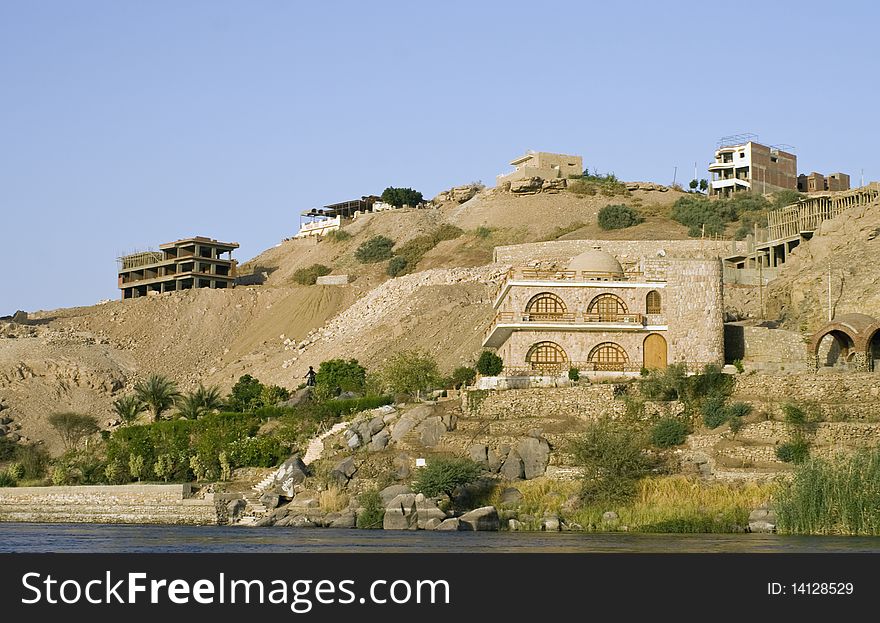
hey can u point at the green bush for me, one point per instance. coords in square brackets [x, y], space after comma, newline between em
[82, 467]
[398, 197]
[338, 235]
[738, 364]
[618, 216]
[263, 451]
[442, 476]
[696, 212]
[373, 513]
[739, 410]
[397, 266]
[714, 410]
[463, 377]
[248, 395]
[794, 451]
[410, 372]
[33, 460]
[482, 232]
[574, 375]
[7, 448]
[613, 458]
[736, 424]
[159, 393]
[376, 249]
[341, 375]
[668, 384]
[355, 405]
[489, 364]
[7, 479]
[590, 184]
[668, 432]
[309, 276]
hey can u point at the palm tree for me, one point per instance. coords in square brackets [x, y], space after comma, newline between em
[128, 408]
[199, 402]
[158, 393]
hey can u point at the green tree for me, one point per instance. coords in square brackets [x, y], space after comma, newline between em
[694, 184]
[442, 476]
[340, 375]
[271, 395]
[410, 372]
[613, 458]
[489, 364]
[704, 185]
[136, 466]
[73, 427]
[128, 408]
[199, 402]
[245, 394]
[399, 197]
[618, 216]
[463, 376]
[376, 249]
[159, 394]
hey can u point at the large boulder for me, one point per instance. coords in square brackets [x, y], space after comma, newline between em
[535, 455]
[234, 509]
[410, 420]
[451, 525]
[511, 496]
[478, 453]
[379, 441]
[343, 471]
[401, 513]
[270, 500]
[495, 458]
[513, 467]
[430, 431]
[484, 519]
[389, 493]
[300, 396]
[305, 499]
[762, 519]
[346, 519]
[291, 473]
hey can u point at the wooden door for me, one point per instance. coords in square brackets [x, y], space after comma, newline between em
[655, 352]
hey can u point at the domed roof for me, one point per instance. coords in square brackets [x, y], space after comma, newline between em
[596, 261]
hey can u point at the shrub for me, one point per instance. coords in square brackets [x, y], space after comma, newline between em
[736, 424]
[795, 414]
[399, 197]
[263, 451]
[442, 476]
[489, 364]
[613, 459]
[373, 513]
[397, 266]
[618, 216]
[249, 395]
[199, 402]
[410, 372]
[309, 276]
[338, 235]
[463, 377]
[794, 451]
[696, 212]
[447, 232]
[7, 479]
[7, 448]
[33, 460]
[668, 432]
[376, 249]
[73, 427]
[128, 408]
[739, 410]
[355, 405]
[714, 411]
[785, 198]
[340, 375]
[668, 384]
[738, 364]
[483, 232]
[574, 375]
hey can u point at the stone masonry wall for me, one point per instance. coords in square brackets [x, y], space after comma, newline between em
[765, 348]
[152, 504]
[581, 401]
[626, 251]
[693, 308]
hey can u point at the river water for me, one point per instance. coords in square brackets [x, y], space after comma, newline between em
[27, 537]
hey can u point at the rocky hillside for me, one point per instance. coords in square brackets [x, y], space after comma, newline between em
[848, 246]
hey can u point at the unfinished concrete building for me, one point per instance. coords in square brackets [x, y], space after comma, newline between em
[197, 262]
[744, 165]
[817, 183]
[544, 165]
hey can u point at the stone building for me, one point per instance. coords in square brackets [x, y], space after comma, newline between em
[816, 182]
[197, 262]
[604, 321]
[850, 342]
[742, 164]
[543, 165]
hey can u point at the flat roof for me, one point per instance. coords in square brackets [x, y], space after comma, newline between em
[200, 240]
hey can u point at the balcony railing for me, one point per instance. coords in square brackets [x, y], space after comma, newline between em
[535, 274]
[561, 368]
[636, 320]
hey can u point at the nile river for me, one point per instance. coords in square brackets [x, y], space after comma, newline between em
[25, 537]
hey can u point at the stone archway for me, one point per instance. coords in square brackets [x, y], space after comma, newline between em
[874, 351]
[835, 349]
[845, 342]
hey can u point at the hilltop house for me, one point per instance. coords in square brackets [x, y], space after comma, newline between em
[606, 322]
[544, 165]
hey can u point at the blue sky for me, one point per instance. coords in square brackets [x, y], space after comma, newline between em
[127, 124]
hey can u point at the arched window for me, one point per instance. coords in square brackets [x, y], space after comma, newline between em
[652, 302]
[547, 356]
[545, 306]
[608, 356]
[608, 307]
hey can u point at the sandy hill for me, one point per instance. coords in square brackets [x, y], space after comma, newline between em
[82, 358]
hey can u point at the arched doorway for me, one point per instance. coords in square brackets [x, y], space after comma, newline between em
[835, 349]
[608, 357]
[874, 352]
[546, 357]
[654, 352]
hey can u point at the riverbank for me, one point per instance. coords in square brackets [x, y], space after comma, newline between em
[108, 504]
